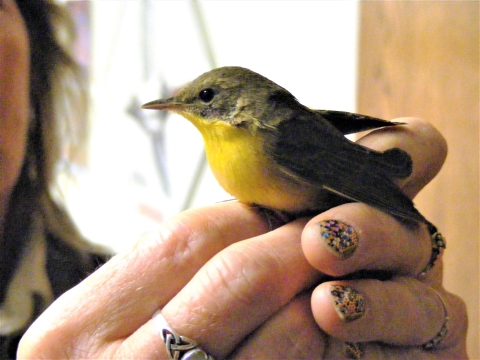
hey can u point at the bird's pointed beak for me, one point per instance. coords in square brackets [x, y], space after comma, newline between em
[162, 104]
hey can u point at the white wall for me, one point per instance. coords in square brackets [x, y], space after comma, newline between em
[308, 47]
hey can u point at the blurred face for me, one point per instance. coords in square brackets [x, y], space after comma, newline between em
[14, 97]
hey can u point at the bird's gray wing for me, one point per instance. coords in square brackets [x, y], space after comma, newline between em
[310, 149]
[350, 123]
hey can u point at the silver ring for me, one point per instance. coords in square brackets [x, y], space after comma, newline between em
[432, 343]
[438, 245]
[178, 347]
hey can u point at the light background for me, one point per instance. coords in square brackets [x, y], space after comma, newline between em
[308, 47]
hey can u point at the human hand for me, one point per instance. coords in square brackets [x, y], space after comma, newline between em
[398, 315]
[221, 279]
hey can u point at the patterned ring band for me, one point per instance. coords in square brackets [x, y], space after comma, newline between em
[432, 343]
[178, 347]
[438, 245]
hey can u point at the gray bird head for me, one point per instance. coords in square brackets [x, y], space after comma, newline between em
[231, 94]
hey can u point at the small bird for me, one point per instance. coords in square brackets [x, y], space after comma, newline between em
[267, 149]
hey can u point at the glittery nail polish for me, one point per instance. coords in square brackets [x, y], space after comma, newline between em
[349, 303]
[341, 239]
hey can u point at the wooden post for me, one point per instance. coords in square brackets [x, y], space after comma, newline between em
[421, 58]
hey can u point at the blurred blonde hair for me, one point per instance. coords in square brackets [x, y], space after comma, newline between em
[59, 111]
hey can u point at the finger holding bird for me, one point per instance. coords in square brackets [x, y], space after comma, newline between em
[424, 143]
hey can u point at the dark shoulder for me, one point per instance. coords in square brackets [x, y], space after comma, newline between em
[67, 266]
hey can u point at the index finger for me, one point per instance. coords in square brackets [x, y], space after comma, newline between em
[381, 241]
[125, 292]
[421, 140]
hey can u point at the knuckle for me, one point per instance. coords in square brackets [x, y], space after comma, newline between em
[243, 277]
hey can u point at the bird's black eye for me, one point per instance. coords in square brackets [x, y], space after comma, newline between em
[206, 95]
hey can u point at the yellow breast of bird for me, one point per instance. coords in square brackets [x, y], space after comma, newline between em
[241, 166]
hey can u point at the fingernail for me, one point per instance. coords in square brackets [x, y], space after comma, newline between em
[348, 303]
[341, 239]
[353, 350]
